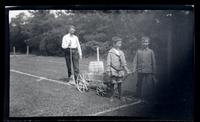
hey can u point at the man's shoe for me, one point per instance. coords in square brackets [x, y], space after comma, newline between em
[72, 82]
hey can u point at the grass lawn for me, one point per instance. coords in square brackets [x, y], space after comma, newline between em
[30, 97]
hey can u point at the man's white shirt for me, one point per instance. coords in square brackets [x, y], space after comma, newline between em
[71, 41]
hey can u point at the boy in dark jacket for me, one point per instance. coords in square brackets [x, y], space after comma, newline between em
[145, 65]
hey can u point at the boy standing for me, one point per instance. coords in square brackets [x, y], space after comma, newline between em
[116, 65]
[145, 65]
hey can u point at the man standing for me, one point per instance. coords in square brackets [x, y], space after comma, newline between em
[72, 49]
[145, 65]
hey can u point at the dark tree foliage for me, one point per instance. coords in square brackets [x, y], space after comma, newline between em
[44, 30]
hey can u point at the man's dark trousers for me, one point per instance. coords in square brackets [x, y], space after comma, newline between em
[75, 61]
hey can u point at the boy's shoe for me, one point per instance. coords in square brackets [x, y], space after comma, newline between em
[144, 101]
[137, 98]
[129, 99]
[117, 96]
[120, 97]
[123, 99]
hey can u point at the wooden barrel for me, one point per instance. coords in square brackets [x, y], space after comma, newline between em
[96, 67]
[94, 77]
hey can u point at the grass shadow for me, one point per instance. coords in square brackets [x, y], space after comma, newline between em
[64, 79]
[129, 93]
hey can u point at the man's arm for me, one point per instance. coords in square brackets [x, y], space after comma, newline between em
[79, 48]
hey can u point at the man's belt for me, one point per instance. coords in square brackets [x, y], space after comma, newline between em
[71, 48]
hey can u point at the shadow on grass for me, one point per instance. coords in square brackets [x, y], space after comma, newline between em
[129, 93]
[64, 79]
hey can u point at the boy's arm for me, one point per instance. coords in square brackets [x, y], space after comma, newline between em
[124, 64]
[126, 69]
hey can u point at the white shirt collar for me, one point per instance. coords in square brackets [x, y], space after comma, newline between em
[116, 51]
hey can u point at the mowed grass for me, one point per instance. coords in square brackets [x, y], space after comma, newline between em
[29, 97]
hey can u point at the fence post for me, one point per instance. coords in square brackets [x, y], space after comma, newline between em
[97, 53]
[27, 50]
[14, 50]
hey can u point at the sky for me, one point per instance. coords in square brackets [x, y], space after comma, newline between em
[14, 13]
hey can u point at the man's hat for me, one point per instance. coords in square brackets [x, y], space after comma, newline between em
[71, 26]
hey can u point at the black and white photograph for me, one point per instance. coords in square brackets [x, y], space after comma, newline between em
[101, 62]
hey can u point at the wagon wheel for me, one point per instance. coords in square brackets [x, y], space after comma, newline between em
[100, 90]
[82, 84]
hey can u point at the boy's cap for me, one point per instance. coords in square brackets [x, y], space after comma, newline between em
[116, 38]
[145, 39]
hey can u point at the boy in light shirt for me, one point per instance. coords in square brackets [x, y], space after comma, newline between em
[116, 66]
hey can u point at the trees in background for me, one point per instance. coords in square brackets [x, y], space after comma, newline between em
[44, 30]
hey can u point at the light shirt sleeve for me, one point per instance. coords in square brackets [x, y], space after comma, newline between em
[123, 59]
[79, 47]
[65, 42]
